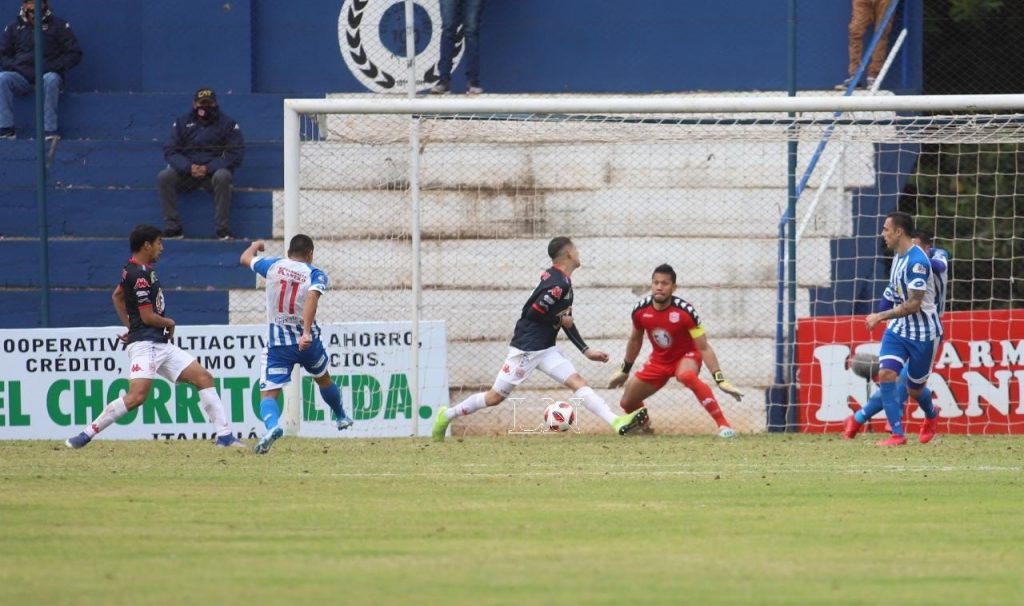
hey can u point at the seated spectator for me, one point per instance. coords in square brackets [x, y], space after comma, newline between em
[18, 64]
[205, 148]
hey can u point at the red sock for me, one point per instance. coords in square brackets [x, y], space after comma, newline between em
[704, 395]
[715, 411]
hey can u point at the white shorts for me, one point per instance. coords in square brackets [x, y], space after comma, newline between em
[519, 365]
[147, 359]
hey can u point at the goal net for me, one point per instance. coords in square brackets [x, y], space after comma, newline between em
[440, 209]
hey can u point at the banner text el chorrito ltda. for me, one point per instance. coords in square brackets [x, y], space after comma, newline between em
[53, 381]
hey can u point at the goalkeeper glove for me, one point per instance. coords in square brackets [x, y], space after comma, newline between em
[726, 386]
[619, 378]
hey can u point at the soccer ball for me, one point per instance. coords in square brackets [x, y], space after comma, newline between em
[559, 416]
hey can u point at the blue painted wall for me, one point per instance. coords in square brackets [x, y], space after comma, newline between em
[528, 45]
[254, 52]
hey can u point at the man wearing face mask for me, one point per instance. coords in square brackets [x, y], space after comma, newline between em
[205, 148]
[18, 66]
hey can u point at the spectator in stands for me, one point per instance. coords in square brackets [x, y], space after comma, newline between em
[18, 64]
[453, 14]
[865, 13]
[205, 148]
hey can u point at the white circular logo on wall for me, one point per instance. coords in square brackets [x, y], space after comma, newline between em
[371, 35]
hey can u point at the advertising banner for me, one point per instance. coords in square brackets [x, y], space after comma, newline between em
[977, 380]
[54, 381]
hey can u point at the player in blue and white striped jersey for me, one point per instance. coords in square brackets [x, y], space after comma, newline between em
[937, 284]
[914, 330]
[939, 258]
[294, 288]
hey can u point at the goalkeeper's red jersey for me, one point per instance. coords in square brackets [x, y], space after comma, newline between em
[671, 330]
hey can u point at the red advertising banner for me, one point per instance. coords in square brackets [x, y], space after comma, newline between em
[977, 381]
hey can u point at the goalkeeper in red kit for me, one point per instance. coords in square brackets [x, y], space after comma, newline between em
[680, 347]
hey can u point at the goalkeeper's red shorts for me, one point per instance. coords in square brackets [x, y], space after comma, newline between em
[658, 372]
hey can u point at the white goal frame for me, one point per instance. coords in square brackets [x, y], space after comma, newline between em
[569, 105]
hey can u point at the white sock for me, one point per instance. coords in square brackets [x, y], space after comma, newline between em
[112, 412]
[467, 407]
[215, 410]
[595, 404]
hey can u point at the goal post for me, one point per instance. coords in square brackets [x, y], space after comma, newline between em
[440, 209]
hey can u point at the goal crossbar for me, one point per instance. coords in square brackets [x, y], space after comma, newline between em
[654, 104]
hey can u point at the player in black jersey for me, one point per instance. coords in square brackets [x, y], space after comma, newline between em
[139, 303]
[548, 310]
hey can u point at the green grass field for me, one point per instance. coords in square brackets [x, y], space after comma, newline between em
[515, 520]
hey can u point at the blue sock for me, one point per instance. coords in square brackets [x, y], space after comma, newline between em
[270, 412]
[892, 406]
[332, 395]
[924, 400]
[872, 408]
[902, 392]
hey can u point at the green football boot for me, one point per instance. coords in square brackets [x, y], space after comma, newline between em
[440, 425]
[626, 423]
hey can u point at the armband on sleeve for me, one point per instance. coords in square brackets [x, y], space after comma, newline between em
[885, 305]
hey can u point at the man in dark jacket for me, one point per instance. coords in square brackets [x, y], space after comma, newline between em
[18, 67]
[204, 150]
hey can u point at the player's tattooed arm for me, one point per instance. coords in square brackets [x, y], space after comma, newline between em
[911, 306]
